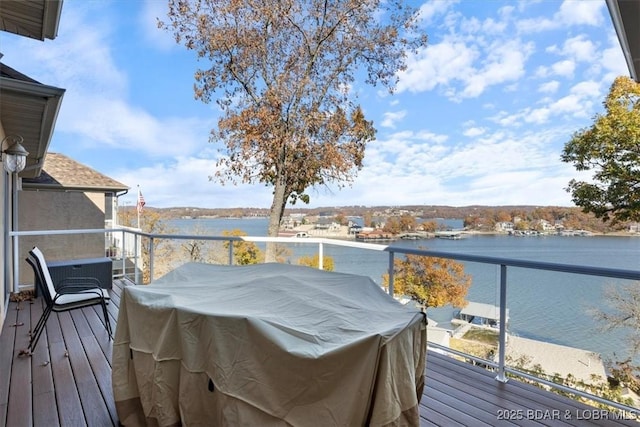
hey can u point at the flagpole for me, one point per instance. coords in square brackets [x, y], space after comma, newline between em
[138, 206]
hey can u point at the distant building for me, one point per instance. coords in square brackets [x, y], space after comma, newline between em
[504, 226]
[326, 223]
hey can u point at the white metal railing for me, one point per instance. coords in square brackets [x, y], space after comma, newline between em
[502, 263]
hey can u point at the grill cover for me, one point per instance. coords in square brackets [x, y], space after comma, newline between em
[268, 344]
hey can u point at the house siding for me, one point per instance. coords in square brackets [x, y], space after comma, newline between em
[3, 209]
[60, 210]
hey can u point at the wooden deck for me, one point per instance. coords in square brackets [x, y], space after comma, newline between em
[67, 382]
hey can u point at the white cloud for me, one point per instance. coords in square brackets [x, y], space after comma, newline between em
[122, 126]
[96, 109]
[538, 115]
[564, 68]
[429, 10]
[431, 137]
[504, 63]
[390, 118]
[571, 13]
[549, 87]
[451, 63]
[81, 59]
[578, 103]
[569, 104]
[437, 64]
[612, 60]
[184, 182]
[474, 131]
[579, 12]
[587, 89]
[579, 48]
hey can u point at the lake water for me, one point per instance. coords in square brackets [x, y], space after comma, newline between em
[548, 306]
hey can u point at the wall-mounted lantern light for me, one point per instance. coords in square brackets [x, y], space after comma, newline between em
[14, 157]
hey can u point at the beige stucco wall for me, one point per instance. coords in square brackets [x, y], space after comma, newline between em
[59, 210]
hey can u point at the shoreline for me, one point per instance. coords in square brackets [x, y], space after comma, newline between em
[343, 234]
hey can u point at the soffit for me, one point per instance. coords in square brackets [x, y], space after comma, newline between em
[37, 19]
[28, 109]
[625, 15]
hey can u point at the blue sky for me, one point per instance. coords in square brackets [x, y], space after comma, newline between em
[480, 116]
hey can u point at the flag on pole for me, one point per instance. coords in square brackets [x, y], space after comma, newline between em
[141, 203]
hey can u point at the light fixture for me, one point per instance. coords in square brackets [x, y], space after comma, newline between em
[15, 156]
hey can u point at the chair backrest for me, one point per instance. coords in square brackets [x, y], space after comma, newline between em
[39, 281]
[47, 282]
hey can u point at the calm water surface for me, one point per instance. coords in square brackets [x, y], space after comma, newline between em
[554, 307]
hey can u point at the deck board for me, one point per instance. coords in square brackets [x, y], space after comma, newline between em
[20, 402]
[67, 381]
[44, 398]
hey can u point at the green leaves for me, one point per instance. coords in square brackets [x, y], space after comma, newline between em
[611, 149]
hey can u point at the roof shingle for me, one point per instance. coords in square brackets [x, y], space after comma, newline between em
[61, 172]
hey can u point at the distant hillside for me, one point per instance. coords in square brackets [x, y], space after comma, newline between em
[482, 218]
[429, 211]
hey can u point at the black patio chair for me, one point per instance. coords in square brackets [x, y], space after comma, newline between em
[68, 294]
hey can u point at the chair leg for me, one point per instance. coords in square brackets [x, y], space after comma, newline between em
[40, 322]
[35, 333]
[107, 322]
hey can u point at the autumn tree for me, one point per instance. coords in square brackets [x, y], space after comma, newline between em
[314, 261]
[611, 149]
[392, 225]
[244, 253]
[407, 222]
[502, 216]
[429, 226]
[432, 282]
[282, 73]
[367, 219]
[624, 314]
[341, 219]
[151, 222]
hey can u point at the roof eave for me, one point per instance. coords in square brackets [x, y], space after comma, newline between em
[51, 19]
[28, 185]
[626, 26]
[44, 124]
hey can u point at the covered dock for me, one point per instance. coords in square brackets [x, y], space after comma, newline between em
[482, 314]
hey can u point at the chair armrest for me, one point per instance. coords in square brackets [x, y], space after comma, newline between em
[77, 284]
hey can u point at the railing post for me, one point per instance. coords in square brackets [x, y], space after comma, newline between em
[502, 342]
[230, 252]
[150, 259]
[320, 256]
[136, 271]
[16, 265]
[390, 271]
[122, 254]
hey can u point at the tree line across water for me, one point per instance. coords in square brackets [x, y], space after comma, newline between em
[477, 218]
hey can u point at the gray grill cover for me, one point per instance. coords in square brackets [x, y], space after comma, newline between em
[267, 344]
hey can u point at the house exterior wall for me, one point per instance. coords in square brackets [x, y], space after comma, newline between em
[5, 283]
[60, 210]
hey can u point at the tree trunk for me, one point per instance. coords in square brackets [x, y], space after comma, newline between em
[275, 216]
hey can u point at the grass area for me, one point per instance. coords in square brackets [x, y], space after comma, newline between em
[478, 342]
[486, 336]
[472, 347]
